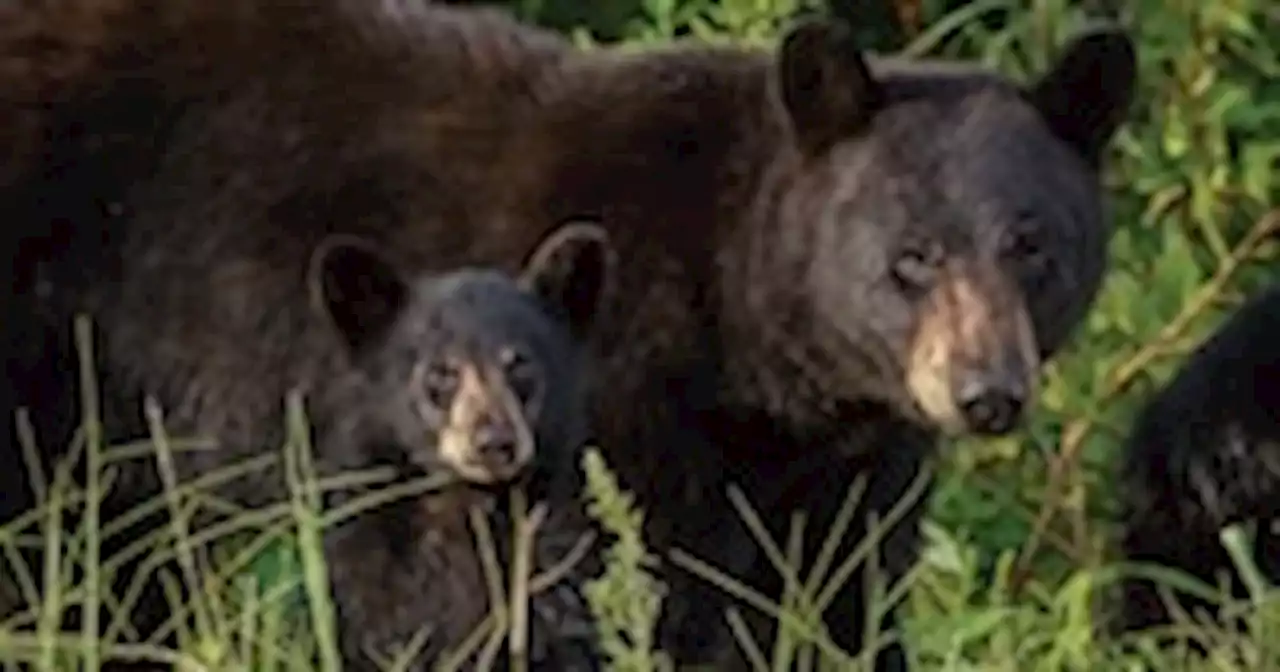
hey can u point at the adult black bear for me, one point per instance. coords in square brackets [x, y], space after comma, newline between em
[826, 259]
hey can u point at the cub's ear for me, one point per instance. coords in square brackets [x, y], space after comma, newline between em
[825, 85]
[571, 271]
[1086, 95]
[357, 288]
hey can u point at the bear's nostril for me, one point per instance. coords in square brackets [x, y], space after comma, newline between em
[498, 448]
[991, 411]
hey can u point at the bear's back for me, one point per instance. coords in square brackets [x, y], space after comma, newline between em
[156, 107]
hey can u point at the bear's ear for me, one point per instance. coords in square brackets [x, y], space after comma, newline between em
[357, 288]
[571, 270]
[1086, 96]
[825, 85]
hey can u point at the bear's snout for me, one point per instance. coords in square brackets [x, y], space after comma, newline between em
[485, 438]
[502, 450]
[973, 359]
[991, 402]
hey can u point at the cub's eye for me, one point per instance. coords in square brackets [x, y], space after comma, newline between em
[440, 382]
[917, 266]
[520, 373]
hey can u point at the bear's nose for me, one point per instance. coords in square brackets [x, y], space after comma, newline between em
[499, 448]
[991, 409]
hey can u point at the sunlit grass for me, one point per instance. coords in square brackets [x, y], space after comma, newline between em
[225, 617]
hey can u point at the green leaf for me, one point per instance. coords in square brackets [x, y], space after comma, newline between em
[1118, 301]
[1234, 20]
[1259, 164]
[1175, 140]
[1226, 97]
[1176, 273]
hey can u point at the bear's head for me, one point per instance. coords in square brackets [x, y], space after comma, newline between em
[953, 220]
[470, 371]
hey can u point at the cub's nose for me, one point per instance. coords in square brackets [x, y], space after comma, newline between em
[991, 408]
[500, 449]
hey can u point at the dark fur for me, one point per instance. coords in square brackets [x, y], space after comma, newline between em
[375, 333]
[381, 414]
[766, 207]
[1203, 454]
[767, 319]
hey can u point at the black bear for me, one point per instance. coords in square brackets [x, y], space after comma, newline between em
[1202, 454]
[470, 374]
[829, 260]
[826, 260]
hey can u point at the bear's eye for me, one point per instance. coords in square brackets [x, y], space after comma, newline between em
[1020, 243]
[440, 382]
[519, 371]
[1023, 247]
[916, 266]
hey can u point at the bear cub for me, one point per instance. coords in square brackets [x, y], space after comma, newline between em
[1204, 454]
[477, 377]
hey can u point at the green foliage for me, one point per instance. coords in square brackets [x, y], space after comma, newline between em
[625, 599]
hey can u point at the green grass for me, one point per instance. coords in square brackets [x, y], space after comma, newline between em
[247, 613]
[259, 597]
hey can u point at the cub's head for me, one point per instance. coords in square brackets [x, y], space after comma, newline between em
[471, 371]
[952, 220]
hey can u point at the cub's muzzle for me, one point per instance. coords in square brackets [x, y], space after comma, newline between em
[973, 359]
[486, 438]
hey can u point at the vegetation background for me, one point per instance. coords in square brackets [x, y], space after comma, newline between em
[1019, 528]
